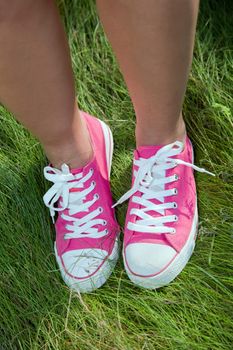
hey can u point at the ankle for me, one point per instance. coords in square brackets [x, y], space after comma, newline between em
[72, 147]
[69, 154]
[148, 135]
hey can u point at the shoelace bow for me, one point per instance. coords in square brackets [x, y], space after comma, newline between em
[63, 181]
[150, 179]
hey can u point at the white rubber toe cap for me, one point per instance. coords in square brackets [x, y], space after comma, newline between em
[146, 259]
[81, 270]
[82, 263]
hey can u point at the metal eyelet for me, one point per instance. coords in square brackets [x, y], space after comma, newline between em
[175, 191]
[176, 177]
[96, 195]
[92, 170]
[173, 231]
[106, 231]
[93, 183]
[175, 205]
[100, 209]
[176, 218]
[105, 222]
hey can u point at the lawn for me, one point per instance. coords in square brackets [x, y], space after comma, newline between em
[195, 312]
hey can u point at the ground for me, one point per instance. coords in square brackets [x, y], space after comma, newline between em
[37, 311]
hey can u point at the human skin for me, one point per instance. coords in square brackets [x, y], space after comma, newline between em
[37, 82]
[153, 41]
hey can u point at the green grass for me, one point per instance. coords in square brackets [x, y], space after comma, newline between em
[37, 311]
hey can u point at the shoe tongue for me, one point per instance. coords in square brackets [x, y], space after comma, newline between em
[73, 172]
[76, 171]
[146, 151]
[84, 169]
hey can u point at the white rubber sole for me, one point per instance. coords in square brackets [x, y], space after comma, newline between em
[174, 269]
[176, 266]
[109, 145]
[89, 284]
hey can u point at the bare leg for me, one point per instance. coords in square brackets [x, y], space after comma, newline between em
[153, 41]
[37, 82]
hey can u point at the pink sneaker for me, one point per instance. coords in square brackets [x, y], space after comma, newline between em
[161, 222]
[86, 244]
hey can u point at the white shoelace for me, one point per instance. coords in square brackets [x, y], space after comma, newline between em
[73, 201]
[150, 180]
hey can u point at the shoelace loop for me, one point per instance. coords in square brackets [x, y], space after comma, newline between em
[63, 181]
[149, 180]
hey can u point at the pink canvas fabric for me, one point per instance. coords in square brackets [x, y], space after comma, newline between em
[171, 246]
[185, 199]
[99, 168]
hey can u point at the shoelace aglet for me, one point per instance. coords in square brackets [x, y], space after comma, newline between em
[126, 196]
[114, 205]
[212, 174]
[202, 170]
[52, 214]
